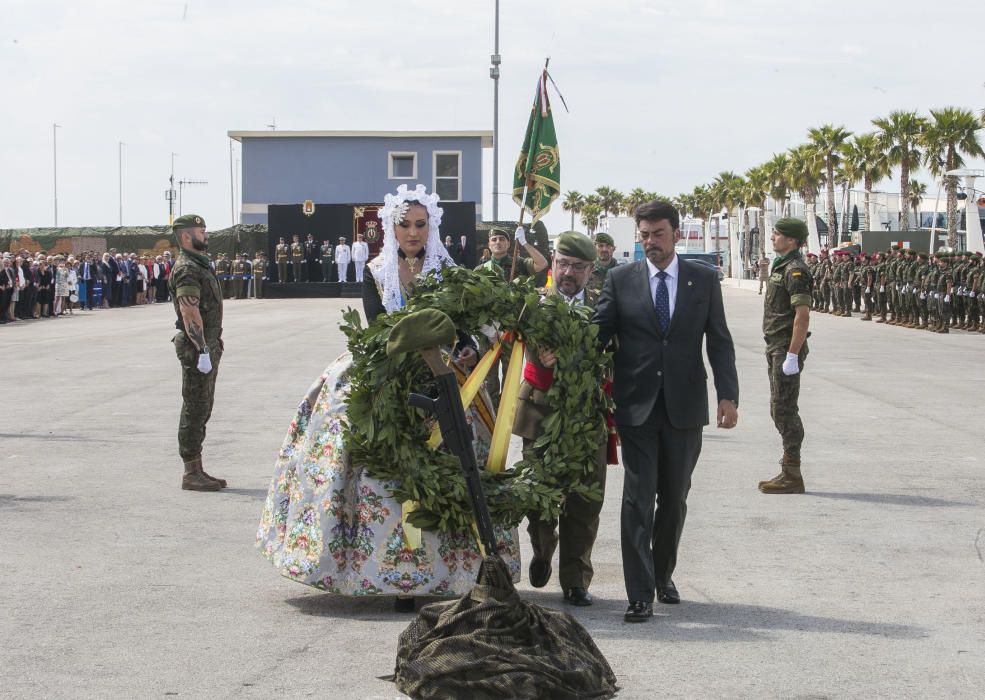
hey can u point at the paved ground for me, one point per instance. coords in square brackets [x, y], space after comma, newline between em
[117, 584]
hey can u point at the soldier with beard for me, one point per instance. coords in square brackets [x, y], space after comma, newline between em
[605, 246]
[198, 344]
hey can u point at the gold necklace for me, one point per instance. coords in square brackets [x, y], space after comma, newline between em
[412, 264]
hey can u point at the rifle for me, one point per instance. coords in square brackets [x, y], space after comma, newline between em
[447, 408]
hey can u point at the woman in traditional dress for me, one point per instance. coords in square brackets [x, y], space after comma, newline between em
[61, 287]
[326, 522]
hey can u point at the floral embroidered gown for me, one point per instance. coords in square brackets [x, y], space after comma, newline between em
[328, 524]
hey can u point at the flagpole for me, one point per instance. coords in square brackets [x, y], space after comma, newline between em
[541, 90]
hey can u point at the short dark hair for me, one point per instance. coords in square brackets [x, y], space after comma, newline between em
[656, 210]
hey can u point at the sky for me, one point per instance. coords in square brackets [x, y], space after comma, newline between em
[663, 95]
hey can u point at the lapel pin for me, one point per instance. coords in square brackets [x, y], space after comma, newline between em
[689, 283]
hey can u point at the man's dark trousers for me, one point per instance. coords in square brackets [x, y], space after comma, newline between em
[658, 460]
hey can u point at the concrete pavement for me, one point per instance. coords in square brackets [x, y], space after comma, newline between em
[117, 584]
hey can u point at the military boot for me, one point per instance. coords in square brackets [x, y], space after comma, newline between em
[882, 318]
[787, 462]
[195, 479]
[789, 480]
[867, 316]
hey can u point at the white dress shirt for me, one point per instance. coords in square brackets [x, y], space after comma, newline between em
[673, 274]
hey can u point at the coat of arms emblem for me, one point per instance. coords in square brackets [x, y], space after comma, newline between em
[308, 207]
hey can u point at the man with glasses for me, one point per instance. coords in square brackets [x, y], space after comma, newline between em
[578, 524]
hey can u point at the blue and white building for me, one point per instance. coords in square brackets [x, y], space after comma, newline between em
[356, 167]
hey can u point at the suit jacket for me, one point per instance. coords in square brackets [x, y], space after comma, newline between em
[647, 362]
[532, 407]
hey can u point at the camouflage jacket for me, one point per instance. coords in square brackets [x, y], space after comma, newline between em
[789, 286]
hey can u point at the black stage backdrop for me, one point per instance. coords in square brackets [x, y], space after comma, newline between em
[333, 221]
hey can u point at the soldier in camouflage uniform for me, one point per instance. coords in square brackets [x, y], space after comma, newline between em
[867, 281]
[198, 344]
[786, 318]
[974, 286]
[824, 278]
[920, 289]
[605, 246]
[942, 294]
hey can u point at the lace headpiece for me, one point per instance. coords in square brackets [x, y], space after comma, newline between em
[436, 256]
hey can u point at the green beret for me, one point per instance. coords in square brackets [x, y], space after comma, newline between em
[500, 232]
[422, 329]
[604, 238]
[575, 244]
[922, 255]
[188, 221]
[792, 228]
[943, 255]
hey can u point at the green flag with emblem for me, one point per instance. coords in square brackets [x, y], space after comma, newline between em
[537, 177]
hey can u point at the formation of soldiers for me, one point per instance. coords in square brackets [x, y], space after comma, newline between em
[903, 287]
[320, 262]
[240, 277]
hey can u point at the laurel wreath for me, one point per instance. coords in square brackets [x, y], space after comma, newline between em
[388, 437]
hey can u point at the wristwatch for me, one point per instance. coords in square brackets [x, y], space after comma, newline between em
[205, 350]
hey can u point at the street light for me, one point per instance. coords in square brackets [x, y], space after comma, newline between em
[54, 150]
[495, 60]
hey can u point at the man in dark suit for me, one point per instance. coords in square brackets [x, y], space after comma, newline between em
[659, 310]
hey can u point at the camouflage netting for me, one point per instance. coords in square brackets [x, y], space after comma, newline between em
[492, 644]
[127, 239]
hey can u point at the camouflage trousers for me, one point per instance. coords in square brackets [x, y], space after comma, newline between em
[784, 393]
[197, 394]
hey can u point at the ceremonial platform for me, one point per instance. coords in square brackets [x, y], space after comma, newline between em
[312, 290]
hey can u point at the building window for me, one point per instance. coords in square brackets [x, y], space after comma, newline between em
[402, 165]
[448, 175]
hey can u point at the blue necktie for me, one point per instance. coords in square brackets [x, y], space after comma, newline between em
[661, 302]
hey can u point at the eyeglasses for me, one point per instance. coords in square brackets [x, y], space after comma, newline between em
[574, 267]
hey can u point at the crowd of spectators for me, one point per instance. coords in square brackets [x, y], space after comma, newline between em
[38, 285]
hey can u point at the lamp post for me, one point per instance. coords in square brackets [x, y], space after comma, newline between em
[54, 150]
[121, 145]
[495, 60]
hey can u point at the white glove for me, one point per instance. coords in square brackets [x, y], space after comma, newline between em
[972, 293]
[520, 235]
[791, 365]
[882, 288]
[937, 295]
[490, 332]
[204, 363]
[922, 296]
[947, 298]
[868, 290]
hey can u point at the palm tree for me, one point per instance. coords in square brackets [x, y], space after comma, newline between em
[776, 168]
[866, 160]
[730, 190]
[609, 199]
[900, 135]
[635, 199]
[951, 135]
[827, 140]
[756, 191]
[804, 175]
[590, 217]
[914, 197]
[573, 202]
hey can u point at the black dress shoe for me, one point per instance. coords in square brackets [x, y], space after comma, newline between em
[667, 594]
[578, 596]
[638, 611]
[539, 572]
